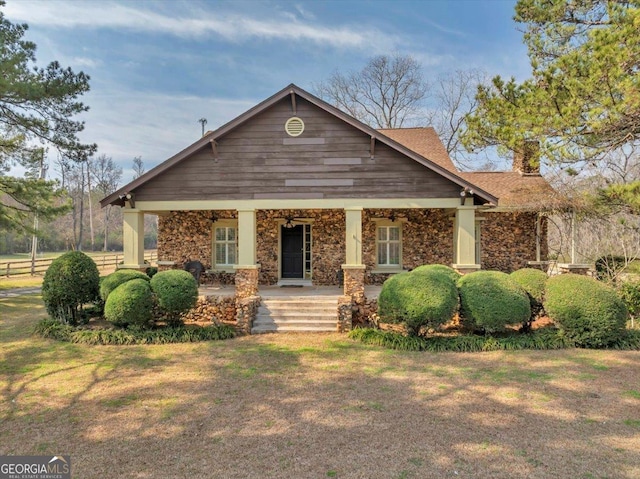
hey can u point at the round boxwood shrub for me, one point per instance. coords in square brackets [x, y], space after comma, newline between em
[130, 304]
[424, 299]
[588, 311]
[115, 279]
[533, 281]
[491, 300]
[176, 292]
[440, 268]
[69, 283]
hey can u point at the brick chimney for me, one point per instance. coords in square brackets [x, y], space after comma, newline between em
[527, 160]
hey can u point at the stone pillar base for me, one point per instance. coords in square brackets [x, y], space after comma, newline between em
[583, 269]
[354, 282]
[246, 280]
[466, 268]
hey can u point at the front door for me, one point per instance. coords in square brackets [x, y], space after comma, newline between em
[293, 252]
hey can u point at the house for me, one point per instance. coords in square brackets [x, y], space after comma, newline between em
[297, 191]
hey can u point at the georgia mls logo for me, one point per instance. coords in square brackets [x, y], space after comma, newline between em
[35, 467]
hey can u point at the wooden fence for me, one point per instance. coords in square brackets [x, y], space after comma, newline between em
[39, 266]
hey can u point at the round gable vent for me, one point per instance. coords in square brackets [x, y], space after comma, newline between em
[294, 126]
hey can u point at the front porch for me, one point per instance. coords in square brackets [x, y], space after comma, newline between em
[290, 309]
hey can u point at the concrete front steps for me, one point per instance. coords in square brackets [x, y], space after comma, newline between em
[296, 314]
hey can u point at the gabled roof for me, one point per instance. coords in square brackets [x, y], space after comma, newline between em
[436, 163]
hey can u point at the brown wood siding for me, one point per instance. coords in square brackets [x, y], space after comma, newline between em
[253, 162]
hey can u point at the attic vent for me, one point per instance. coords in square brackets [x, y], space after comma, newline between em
[294, 126]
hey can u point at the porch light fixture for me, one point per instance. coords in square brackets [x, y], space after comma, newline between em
[213, 217]
[392, 217]
[288, 223]
[464, 194]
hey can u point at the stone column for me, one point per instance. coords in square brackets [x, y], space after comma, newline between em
[133, 239]
[464, 245]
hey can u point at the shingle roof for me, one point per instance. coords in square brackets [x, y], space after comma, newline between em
[513, 189]
[424, 141]
[527, 192]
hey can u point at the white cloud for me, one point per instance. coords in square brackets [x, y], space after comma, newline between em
[154, 126]
[195, 23]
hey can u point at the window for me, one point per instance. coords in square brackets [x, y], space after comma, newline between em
[389, 246]
[225, 245]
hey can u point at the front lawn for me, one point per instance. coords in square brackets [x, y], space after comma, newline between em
[314, 405]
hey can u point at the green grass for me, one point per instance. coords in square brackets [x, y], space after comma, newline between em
[20, 282]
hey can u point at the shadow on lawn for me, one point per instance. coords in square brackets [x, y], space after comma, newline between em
[300, 406]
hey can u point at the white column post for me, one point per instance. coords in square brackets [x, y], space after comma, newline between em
[353, 238]
[246, 239]
[465, 239]
[133, 238]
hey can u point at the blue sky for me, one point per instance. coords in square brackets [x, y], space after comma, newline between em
[156, 67]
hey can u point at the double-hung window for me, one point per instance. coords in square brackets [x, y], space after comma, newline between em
[225, 244]
[389, 246]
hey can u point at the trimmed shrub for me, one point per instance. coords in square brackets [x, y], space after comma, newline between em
[440, 268]
[629, 292]
[176, 292]
[422, 299]
[588, 311]
[115, 279]
[130, 304]
[70, 282]
[491, 300]
[533, 281]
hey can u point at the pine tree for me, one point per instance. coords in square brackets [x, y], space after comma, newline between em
[37, 106]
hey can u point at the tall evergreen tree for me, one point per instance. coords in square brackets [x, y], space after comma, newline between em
[583, 99]
[37, 107]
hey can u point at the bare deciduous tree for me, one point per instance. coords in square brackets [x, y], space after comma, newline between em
[138, 167]
[107, 175]
[387, 93]
[454, 98]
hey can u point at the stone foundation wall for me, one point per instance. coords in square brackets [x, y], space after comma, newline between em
[508, 240]
[427, 238]
[246, 310]
[212, 308]
[366, 314]
[345, 314]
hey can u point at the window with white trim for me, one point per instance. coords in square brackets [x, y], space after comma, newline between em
[225, 244]
[389, 246]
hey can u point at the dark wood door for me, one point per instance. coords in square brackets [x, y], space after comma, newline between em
[292, 252]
